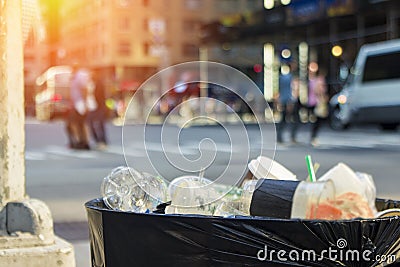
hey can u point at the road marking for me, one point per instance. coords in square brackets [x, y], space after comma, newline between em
[31, 155]
[71, 153]
[139, 149]
[129, 151]
[157, 147]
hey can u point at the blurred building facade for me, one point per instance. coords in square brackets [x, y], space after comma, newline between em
[125, 41]
[36, 57]
[308, 29]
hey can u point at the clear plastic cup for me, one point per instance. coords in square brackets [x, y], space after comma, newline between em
[311, 200]
[195, 195]
[192, 195]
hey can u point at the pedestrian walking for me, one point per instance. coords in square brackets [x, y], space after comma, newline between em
[289, 104]
[317, 101]
[76, 117]
[97, 115]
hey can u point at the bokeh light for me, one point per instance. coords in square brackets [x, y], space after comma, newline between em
[285, 69]
[257, 68]
[313, 67]
[337, 51]
[286, 53]
[269, 4]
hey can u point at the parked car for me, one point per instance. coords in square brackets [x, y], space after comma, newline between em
[52, 99]
[371, 93]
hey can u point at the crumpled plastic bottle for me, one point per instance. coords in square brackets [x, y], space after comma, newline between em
[126, 189]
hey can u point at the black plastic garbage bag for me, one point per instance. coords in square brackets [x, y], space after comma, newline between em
[131, 239]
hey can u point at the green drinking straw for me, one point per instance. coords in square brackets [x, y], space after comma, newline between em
[310, 168]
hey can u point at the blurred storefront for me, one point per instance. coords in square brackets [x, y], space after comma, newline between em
[304, 31]
[127, 41]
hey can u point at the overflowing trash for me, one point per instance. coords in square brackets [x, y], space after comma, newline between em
[269, 190]
[271, 218]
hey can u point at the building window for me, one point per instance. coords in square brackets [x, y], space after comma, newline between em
[157, 29]
[146, 24]
[101, 50]
[190, 50]
[124, 48]
[154, 50]
[124, 24]
[155, 25]
[29, 57]
[146, 49]
[192, 4]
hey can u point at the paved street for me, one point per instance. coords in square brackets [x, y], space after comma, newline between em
[66, 179]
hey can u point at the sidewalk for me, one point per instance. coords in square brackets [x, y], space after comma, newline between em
[82, 253]
[77, 234]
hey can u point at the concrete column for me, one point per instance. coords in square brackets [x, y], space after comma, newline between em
[26, 225]
[12, 138]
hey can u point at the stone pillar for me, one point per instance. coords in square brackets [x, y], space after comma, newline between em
[12, 165]
[26, 226]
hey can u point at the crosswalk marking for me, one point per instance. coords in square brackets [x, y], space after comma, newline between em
[117, 150]
[32, 155]
[138, 149]
[81, 154]
[59, 153]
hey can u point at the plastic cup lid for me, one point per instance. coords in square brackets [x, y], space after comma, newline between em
[388, 213]
[264, 167]
[277, 169]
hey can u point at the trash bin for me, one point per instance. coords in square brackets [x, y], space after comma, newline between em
[132, 239]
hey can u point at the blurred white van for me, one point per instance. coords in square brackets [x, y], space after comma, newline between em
[52, 98]
[371, 93]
